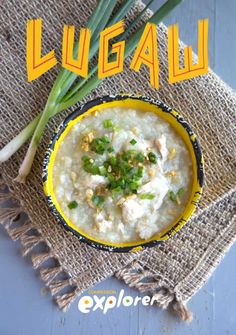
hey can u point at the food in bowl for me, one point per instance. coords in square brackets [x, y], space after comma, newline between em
[122, 175]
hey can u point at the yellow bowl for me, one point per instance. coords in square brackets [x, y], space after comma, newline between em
[146, 105]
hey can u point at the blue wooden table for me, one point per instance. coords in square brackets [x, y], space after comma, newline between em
[26, 309]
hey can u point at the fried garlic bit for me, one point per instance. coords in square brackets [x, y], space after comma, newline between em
[172, 153]
[151, 172]
[89, 195]
[123, 199]
[172, 174]
[178, 200]
[120, 202]
[134, 131]
[131, 196]
[101, 190]
[86, 140]
[73, 176]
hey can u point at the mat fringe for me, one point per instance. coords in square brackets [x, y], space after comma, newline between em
[16, 233]
[162, 296]
[133, 275]
[30, 237]
[65, 300]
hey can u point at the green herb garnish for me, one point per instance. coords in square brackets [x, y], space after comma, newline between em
[112, 160]
[108, 123]
[73, 204]
[140, 157]
[134, 186]
[126, 156]
[172, 196]
[105, 139]
[91, 168]
[181, 191]
[102, 171]
[86, 159]
[147, 196]
[140, 171]
[117, 189]
[98, 201]
[110, 149]
[89, 165]
[132, 152]
[117, 128]
[152, 157]
[99, 144]
[133, 141]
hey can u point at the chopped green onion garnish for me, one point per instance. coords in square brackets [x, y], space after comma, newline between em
[125, 167]
[98, 201]
[134, 186]
[113, 160]
[99, 144]
[102, 171]
[126, 156]
[105, 139]
[140, 157]
[110, 149]
[110, 177]
[147, 196]
[152, 157]
[117, 128]
[86, 159]
[132, 152]
[113, 184]
[181, 191]
[73, 204]
[172, 196]
[133, 141]
[117, 189]
[121, 182]
[140, 171]
[100, 149]
[123, 170]
[90, 168]
[107, 123]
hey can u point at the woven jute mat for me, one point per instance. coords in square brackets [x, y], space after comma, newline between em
[172, 271]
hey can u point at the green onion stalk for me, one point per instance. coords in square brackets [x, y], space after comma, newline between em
[66, 78]
[65, 92]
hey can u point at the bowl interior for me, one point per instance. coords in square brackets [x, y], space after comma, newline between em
[145, 105]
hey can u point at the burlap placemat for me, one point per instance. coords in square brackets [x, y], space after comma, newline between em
[174, 270]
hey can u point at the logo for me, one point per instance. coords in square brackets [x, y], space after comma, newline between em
[91, 303]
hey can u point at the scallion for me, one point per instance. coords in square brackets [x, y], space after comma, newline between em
[73, 204]
[181, 191]
[172, 196]
[110, 149]
[133, 141]
[108, 123]
[98, 201]
[102, 171]
[152, 157]
[62, 95]
[140, 157]
[147, 196]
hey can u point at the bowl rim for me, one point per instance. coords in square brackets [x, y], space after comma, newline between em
[195, 195]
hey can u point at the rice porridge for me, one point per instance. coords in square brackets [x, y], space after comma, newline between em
[122, 175]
